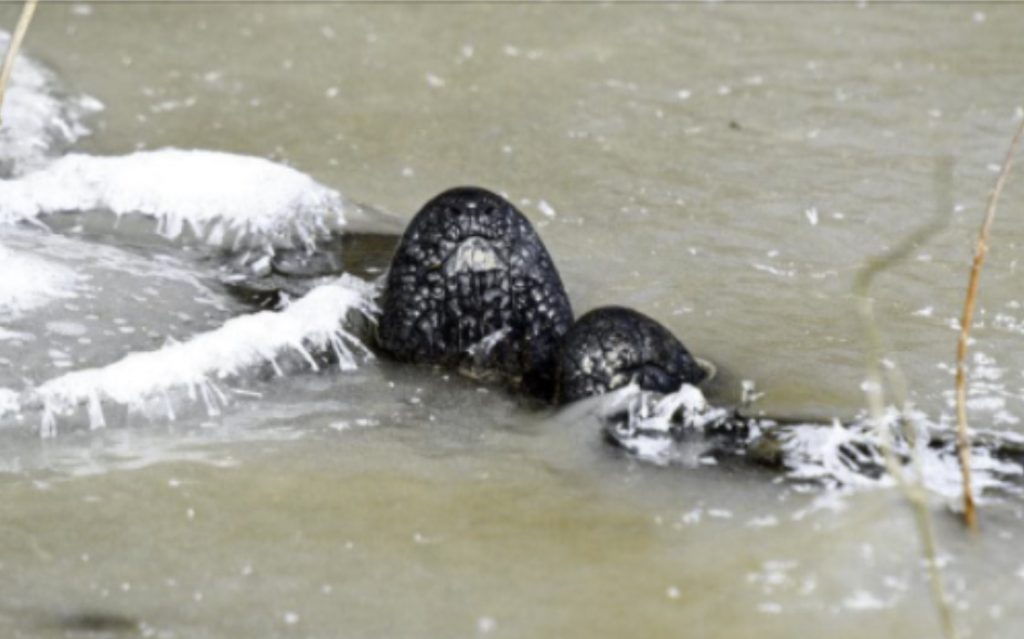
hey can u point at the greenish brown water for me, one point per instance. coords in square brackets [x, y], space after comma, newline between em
[724, 168]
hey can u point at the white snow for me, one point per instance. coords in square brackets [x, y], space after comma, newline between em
[838, 456]
[831, 455]
[766, 521]
[221, 198]
[8, 401]
[19, 336]
[546, 209]
[642, 422]
[834, 456]
[39, 120]
[812, 215]
[863, 600]
[145, 381]
[29, 282]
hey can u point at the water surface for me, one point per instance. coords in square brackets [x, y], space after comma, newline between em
[724, 168]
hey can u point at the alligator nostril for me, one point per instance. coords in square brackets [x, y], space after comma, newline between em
[474, 255]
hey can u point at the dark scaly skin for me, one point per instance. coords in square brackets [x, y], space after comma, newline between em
[470, 266]
[436, 309]
[610, 347]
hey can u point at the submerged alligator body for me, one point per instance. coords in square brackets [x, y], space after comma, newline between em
[472, 286]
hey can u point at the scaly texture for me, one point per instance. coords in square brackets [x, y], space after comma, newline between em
[472, 284]
[314, 324]
[610, 347]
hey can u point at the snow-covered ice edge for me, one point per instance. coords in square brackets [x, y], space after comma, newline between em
[40, 119]
[145, 381]
[847, 456]
[223, 199]
[28, 282]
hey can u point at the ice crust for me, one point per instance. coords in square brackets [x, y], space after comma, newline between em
[148, 382]
[8, 401]
[28, 282]
[39, 119]
[852, 455]
[223, 199]
[653, 427]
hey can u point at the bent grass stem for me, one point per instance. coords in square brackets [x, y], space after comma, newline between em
[963, 441]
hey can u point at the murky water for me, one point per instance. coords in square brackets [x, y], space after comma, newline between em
[725, 169]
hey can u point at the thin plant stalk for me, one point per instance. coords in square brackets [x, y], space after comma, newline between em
[963, 441]
[913, 491]
[27, 11]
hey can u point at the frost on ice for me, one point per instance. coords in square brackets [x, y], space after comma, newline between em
[29, 282]
[8, 401]
[222, 199]
[149, 381]
[682, 428]
[39, 119]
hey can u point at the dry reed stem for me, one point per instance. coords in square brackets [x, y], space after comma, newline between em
[914, 492]
[963, 441]
[12, 48]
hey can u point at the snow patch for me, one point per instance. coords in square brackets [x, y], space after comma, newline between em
[145, 381]
[39, 119]
[221, 198]
[645, 423]
[852, 455]
[863, 600]
[14, 336]
[673, 428]
[29, 282]
[8, 402]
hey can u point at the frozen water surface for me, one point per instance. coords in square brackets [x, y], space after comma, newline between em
[724, 168]
[218, 198]
[40, 117]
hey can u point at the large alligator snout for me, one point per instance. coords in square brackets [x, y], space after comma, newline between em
[471, 279]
